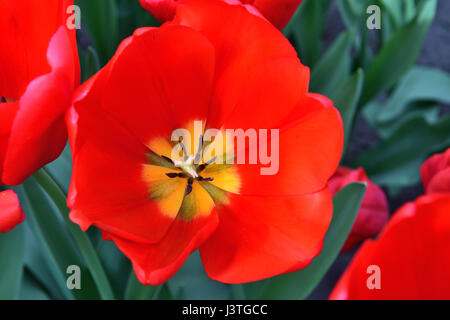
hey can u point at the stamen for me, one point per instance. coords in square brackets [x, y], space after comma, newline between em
[202, 167]
[184, 150]
[168, 159]
[3, 99]
[199, 151]
[211, 160]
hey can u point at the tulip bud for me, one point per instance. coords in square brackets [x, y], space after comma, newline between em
[374, 211]
[11, 213]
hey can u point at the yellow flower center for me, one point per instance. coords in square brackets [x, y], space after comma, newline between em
[182, 183]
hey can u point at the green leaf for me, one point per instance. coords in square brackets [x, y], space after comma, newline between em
[334, 67]
[396, 161]
[83, 242]
[131, 16]
[419, 84]
[36, 263]
[192, 276]
[117, 267]
[12, 246]
[137, 291]
[426, 109]
[91, 63]
[31, 290]
[399, 54]
[346, 98]
[409, 10]
[388, 28]
[100, 19]
[353, 12]
[61, 169]
[306, 28]
[299, 285]
[53, 238]
[164, 293]
[237, 292]
[394, 11]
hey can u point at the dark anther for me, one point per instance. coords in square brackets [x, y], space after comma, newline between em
[188, 190]
[3, 99]
[172, 174]
[205, 179]
[168, 159]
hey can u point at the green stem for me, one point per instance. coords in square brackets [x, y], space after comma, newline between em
[87, 250]
[137, 291]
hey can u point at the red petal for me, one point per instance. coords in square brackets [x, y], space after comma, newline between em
[243, 49]
[107, 187]
[38, 134]
[11, 213]
[279, 82]
[411, 254]
[155, 264]
[153, 86]
[261, 237]
[278, 12]
[162, 10]
[309, 152]
[27, 27]
[7, 114]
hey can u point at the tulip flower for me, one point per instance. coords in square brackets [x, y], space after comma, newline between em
[38, 71]
[219, 65]
[435, 173]
[374, 211]
[410, 258]
[11, 213]
[278, 12]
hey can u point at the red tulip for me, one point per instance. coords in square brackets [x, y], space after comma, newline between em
[409, 260]
[435, 173]
[374, 211]
[11, 213]
[221, 65]
[278, 12]
[38, 72]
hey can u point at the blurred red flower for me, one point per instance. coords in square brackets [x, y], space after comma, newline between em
[278, 12]
[411, 253]
[221, 65]
[11, 213]
[435, 173]
[38, 72]
[374, 211]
